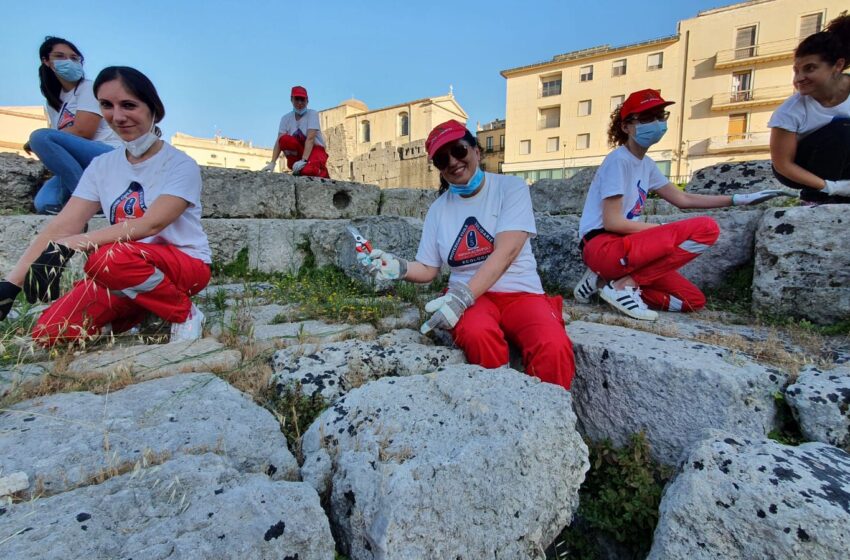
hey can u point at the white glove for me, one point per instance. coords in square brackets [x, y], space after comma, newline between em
[298, 166]
[746, 199]
[385, 266]
[269, 167]
[448, 308]
[837, 188]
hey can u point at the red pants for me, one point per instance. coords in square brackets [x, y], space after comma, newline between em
[532, 322]
[652, 257]
[124, 281]
[293, 149]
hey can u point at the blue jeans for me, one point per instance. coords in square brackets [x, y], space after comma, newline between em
[66, 156]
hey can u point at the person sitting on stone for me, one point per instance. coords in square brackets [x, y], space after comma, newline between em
[480, 226]
[810, 131]
[628, 260]
[77, 132]
[154, 254]
[300, 139]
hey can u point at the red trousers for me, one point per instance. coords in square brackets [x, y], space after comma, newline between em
[652, 257]
[532, 322]
[124, 281]
[293, 149]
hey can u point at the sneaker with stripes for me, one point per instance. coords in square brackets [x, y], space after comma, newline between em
[627, 301]
[586, 286]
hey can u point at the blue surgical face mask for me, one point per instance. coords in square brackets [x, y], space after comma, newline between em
[69, 70]
[647, 134]
[299, 112]
[471, 186]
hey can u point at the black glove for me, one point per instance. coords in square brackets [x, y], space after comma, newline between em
[8, 293]
[42, 279]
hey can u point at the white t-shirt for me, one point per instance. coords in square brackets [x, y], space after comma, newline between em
[81, 98]
[461, 232]
[803, 114]
[126, 190]
[621, 174]
[299, 127]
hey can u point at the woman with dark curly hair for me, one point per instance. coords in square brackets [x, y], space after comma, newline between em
[810, 132]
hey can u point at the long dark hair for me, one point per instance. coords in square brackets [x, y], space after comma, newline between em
[136, 83]
[50, 85]
[616, 135]
[830, 44]
[473, 143]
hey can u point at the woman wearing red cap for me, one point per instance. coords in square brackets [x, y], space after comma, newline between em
[480, 227]
[627, 258]
[300, 139]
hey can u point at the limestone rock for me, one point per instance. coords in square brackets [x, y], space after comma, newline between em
[332, 370]
[20, 179]
[14, 376]
[191, 507]
[463, 463]
[413, 203]
[237, 193]
[562, 196]
[738, 499]
[672, 389]
[328, 199]
[802, 265]
[732, 178]
[17, 232]
[300, 332]
[820, 401]
[14, 482]
[69, 439]
[556, 249]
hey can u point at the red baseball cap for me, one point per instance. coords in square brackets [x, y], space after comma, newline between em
[442, 134]
[641, 101]
[299, 91]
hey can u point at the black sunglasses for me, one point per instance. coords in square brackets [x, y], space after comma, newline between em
[457, 151]
[645, 118]
[299, 98]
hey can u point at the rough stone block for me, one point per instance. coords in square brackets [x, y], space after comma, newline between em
[327, 199]
[237, 193]
[821, 403]
[20, 179]
[413, 203]
[562, 196]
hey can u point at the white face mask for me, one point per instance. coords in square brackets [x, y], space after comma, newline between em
[142, 144]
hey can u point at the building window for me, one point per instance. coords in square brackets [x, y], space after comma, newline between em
[737, 130]
[502, 142]
[616, 101]
[404, 124]
[552, 144]
[618, 68]
[365, 131]
[745, 42]
[810, 24]
[585, 73]
[524, 147]
[582, 141]
[655, 61]
[584, 107]
[483, 166]
[742, 89]
[550, 117]
[213, 156]
[241, 159]
[489, 143]
[550, 86]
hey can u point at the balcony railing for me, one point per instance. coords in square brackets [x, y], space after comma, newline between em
[750, 97]
[548, 123]
[738, 142]
[548, 92]
[775, 50]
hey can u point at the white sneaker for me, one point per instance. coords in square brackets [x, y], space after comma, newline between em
[627, 301]
[191, 329]
[586, 286]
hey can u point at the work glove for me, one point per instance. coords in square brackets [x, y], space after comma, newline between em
[269, 167]
[8, 293]
[298, 166]
[42, 280]
[385, 266]
[837, 188]
[747, 199]
[448, 308]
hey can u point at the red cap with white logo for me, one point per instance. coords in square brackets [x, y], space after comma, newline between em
[298, 91]
[641, 101]
[442, 134]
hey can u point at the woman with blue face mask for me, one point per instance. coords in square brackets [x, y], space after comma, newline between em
[77, 132]
[632, 263]
[480, 227]
[300, 139]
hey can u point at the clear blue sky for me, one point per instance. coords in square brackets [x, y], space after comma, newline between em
[228, 65]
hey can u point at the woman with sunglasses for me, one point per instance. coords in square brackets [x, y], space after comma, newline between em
[480, 226]
[154, 254]
[810, 132]
[628, 260]
[300, 139]
[77, 132]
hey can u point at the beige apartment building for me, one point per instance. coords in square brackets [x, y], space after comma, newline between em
[727, 69]
[491, 137]
[220, 151]
[16, 125]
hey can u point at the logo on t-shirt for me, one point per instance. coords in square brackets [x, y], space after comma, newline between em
[66, 118]
[639, 204]
[473, 244]
[300, 136]
[129, 205]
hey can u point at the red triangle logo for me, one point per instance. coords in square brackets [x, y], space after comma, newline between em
[473, 244]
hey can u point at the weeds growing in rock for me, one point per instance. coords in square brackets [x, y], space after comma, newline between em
[788, 432]
[294, 410]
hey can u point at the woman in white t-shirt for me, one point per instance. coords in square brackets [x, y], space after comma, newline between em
[154, 254]
[299, 138]
[624, 255]
[810, 132]
[481, 226]
[77, 132]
